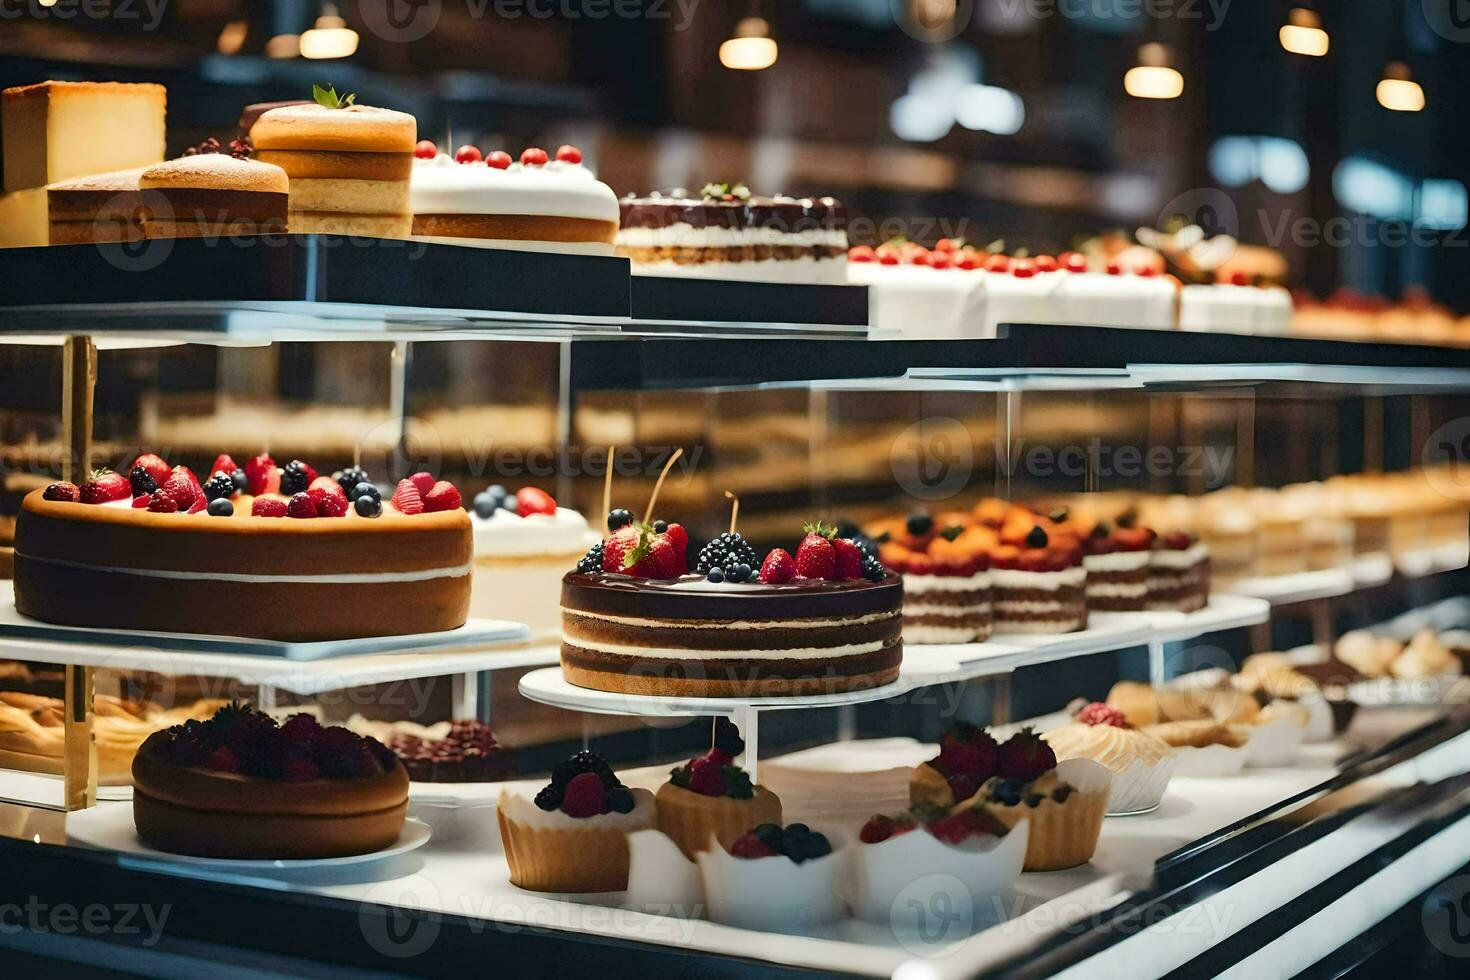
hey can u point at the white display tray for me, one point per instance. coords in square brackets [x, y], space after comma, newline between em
[549, 687]
[1283, 590]
[1431, 561]
[475, 632]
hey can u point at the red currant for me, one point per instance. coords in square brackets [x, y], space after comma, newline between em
[425, 150]
[498, 159]
[467, 154]
[533, 157]
[568, 154]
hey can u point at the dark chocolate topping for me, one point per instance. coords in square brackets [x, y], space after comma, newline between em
[620, 595]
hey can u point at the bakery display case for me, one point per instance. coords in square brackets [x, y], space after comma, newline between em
[434, 548]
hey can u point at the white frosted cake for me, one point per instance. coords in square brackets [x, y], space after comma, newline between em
[491, 202]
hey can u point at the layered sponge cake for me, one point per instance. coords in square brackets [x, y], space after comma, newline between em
[214, 194]
[349, 165]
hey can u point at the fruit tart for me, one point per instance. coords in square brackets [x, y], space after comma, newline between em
[946, 579]
[773, 877]
[968, 756]
[260, 550]
[572, 837]
[1141, 763]
[1040, 582]
[709, 801]
[1116, 557]
[965, 845]
[241, 786]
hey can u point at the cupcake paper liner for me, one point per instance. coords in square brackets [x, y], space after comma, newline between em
[551, 860]
[774, 894]
[1140, 786]
[1209, 761]
[661, 880]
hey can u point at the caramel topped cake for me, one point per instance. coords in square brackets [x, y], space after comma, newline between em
[635, 620]
[256, 551]
[725, 232]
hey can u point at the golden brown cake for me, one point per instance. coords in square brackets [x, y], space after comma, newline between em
[239, 786]
[709, 800]
[55, 131]
[179, 560]
[106, 207]
[214, 194]
[349, 165]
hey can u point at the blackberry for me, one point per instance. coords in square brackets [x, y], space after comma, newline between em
[727, 551]
[737, 783]
[873, 569]
[550, 797]
[1037, 538]
[349, 478]
[142, 481]
[592, 560]
[294, 478]
[219, 487]
[619, 517]
[727, 737]
[584, 761]
[620, 799]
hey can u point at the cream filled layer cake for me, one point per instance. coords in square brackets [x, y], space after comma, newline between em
[726, 233]
[523, 545]
[636, 621]
[948, 594]
[349, 165]
[256, 551]
[1178, 573]
[1117, 562]
[1235, 306]
[1040, 582]
[214, 194]
[536, 203]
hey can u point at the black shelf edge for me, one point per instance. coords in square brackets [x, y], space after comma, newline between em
[690, 300]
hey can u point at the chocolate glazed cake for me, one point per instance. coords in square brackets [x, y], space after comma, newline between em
[693, 638]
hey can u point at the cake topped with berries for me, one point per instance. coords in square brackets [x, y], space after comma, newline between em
[1040, 582]
[637, 619]
[710, 800]
[537, 201]
[259, 550]
[948, 596]
[241, 786]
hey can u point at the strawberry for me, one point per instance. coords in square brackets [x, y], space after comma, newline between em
[105, 485]
[656, 561]
[180, 488]
[532, 500]
[878, 829]
[751, 846]
[719, 756]
[706, 777]
[199, 504]
[268, 507]
[407, 498]
[223, 464]
[584, 796]
[679, 541]
[155, 466]
[162, 504]
[778, 567]
[971, 752]
[1025, 756]
[615, 552]
[66, 492]
[301, 506]
[423, 482]
[263, 475]
[849, 560]
[443, 496]
[142, 501]
[815, 557]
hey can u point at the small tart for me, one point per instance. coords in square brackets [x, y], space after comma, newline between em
[550, 851]
[692, 819]
[1064, 808]
[1117, 748]
[928, 785]
[1197, 734]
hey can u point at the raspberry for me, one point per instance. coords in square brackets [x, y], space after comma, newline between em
[407, 498]
[162, 504]
[958, 827]
[223, 759]
[706, 777]
[142, 501]
[67, 492]
[179, 488]
[442, 496]
[331, 505]
[878, 829]
[423, 482]
[1098, 713]
[301, 506]
[584, 796]
[268, 507]
[751, 846]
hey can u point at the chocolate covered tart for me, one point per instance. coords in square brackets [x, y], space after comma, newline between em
[692, 637]
[239, 786]
[162, 553]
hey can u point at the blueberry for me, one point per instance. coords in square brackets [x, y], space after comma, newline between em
[744, 571]
[620, 799]
[619, 517]
[510, 505]
[241, 481]
[365, 489]
[659, 527]
[1007, 792]
[798, 829]
[770, 835]
[485, 506]
[716, 575]
[221, 507]
[368, 506]
[920, 524]
[497, 490]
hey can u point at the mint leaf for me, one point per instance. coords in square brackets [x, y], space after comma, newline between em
[329, 98]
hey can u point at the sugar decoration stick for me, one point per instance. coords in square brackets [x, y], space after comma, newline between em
[648, 514]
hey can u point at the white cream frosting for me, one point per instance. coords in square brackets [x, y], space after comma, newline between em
[525, 812]
[326, 578]
[1181, 559]
[669, 653]
[948, 612]
[685, 235]
[1117, 590]
[504, 535]
[557, 189]
[1016, 578]
[943, 634]
[919, 584]
[1116, 561]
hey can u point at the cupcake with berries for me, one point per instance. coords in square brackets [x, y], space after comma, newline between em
[1039, 580]
[946, 580]
[1116, 557]
[637, 620]
[524, 543]
[709, 801]
[1141, 763]
[965, 846]
[572, 837]
[968, 756]
[1063, 803]
[773, 878]
[241, 786]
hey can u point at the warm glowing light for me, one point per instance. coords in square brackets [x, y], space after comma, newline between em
[232, 37]
[329, 37]
[1303, 34]
[1397, 89]
[1153, 77]
[283, 46]
[751, 49]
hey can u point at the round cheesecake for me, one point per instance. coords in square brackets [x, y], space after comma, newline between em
[694, 638]
[115, 566]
